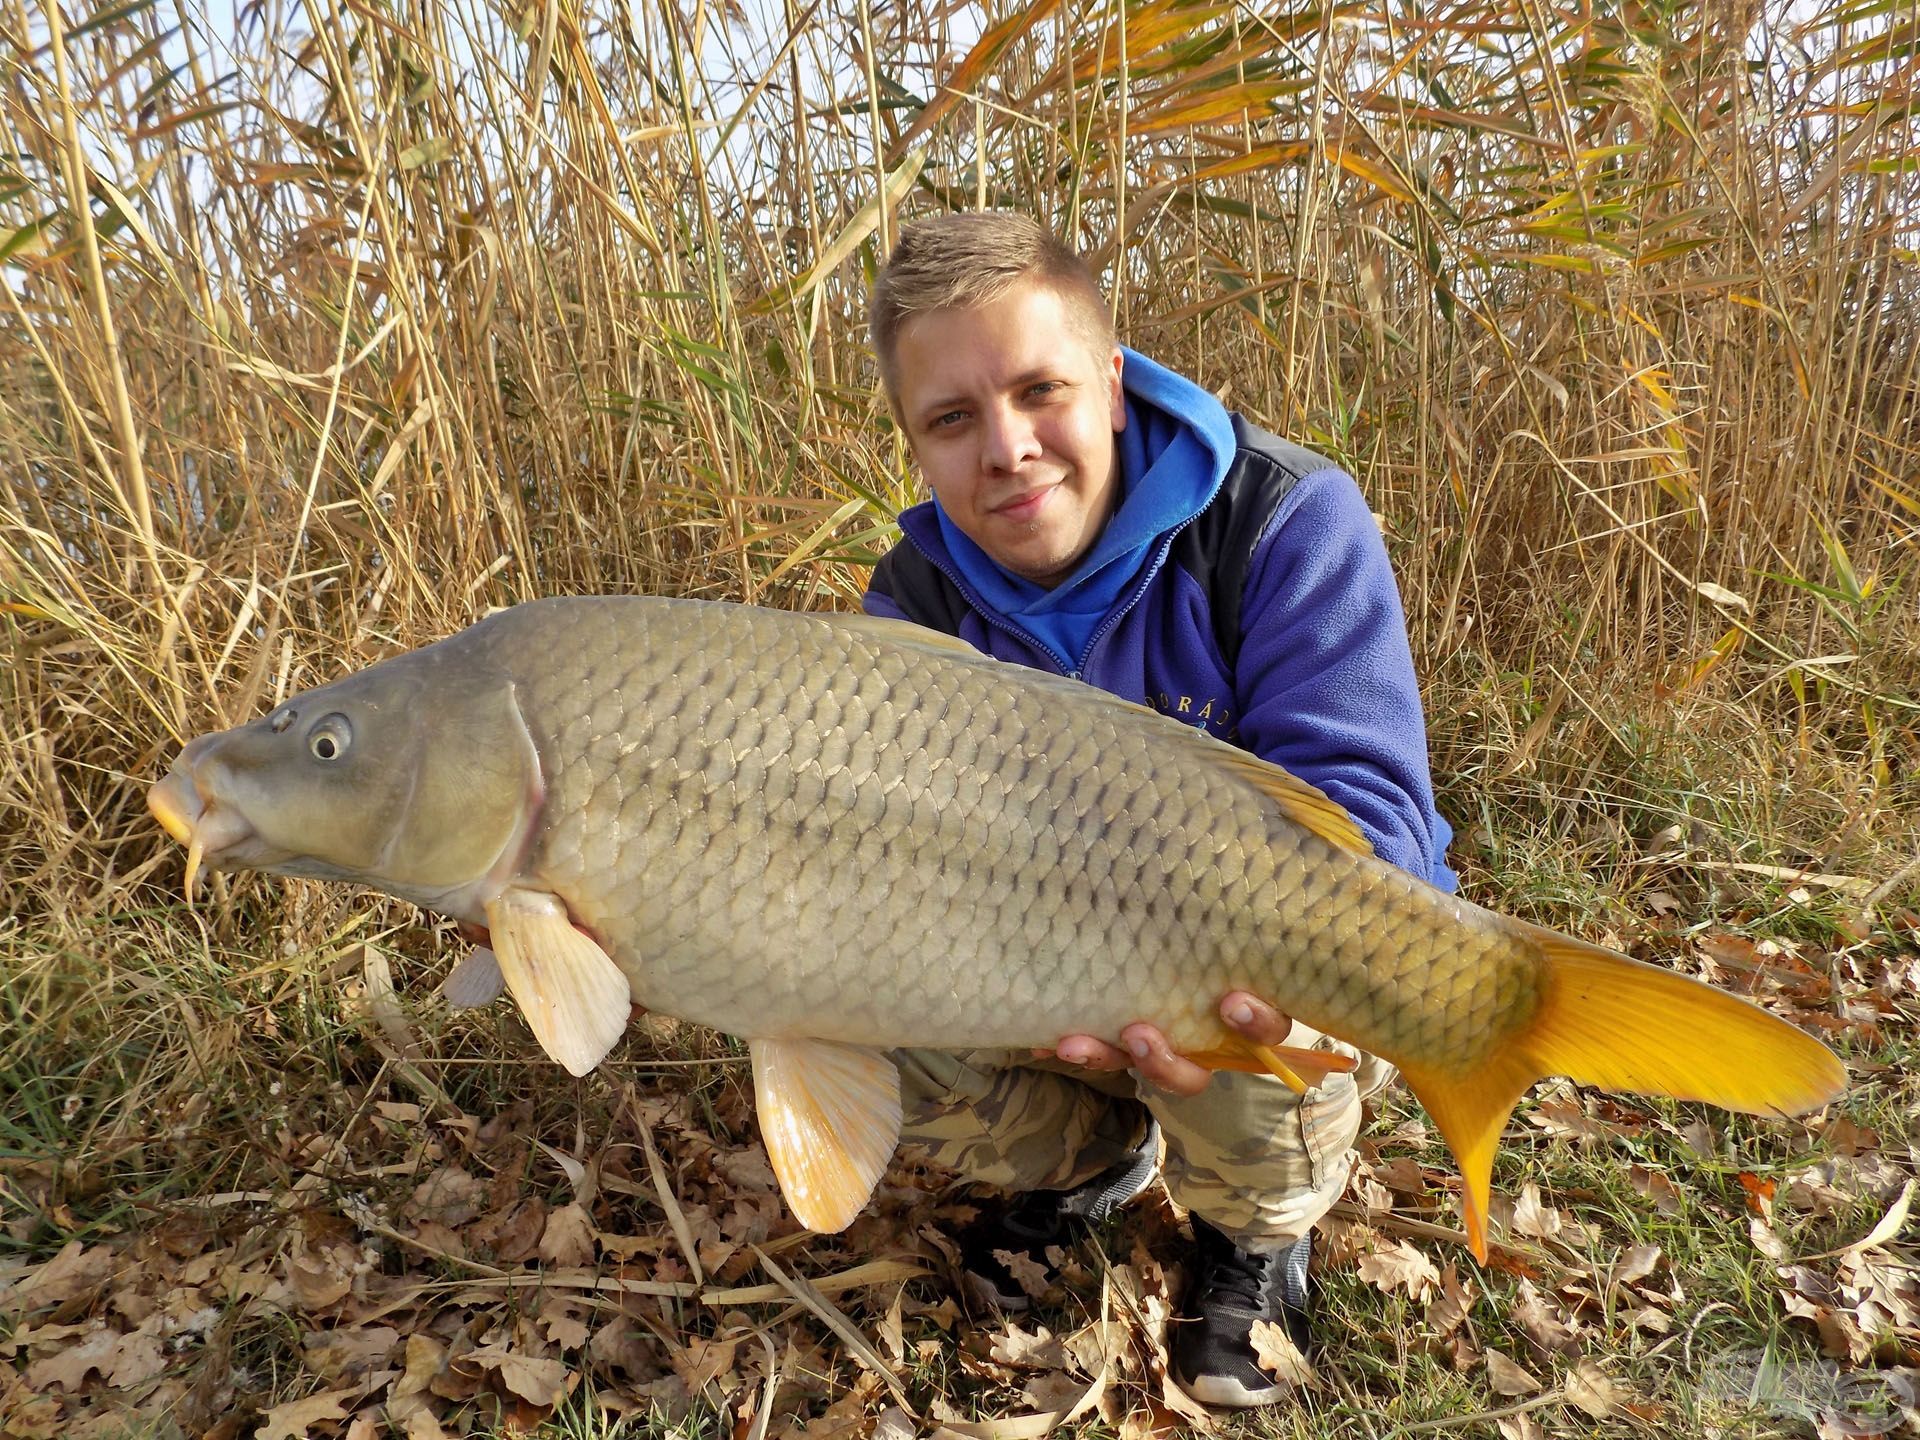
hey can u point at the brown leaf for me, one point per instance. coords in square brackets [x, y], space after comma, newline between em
[1532, 1216]
[533, 1378]
[1404, 1174]
[1541, 1323]
[1507, 1376]
[32, 1417]
[1049, 1391]
[702, 1361]
[746, 1169]
[1400, 1267]
[68, 1367]
[450, 1195]
[1518, 1427]
[1635, 1263]
[1038, 1349]
[291, 1421]
[1589, 1388]
[73, 1272]
[1275, 1352]
[621, 1345]
[1765, 1241]
[1564, 1116]
[562, 1324]
[349, 1353]
[513, 1232]
[321, 1279]
[1655, 1185]
[1029, 1274]
[1449, 1309]
[425, 1358]
[568, 1237]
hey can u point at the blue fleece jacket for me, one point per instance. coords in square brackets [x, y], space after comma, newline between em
[1323, 684]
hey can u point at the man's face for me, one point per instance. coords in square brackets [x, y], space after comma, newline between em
[1012, 417]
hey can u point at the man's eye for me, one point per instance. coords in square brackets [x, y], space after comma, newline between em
[952, 417]
[1043, 389]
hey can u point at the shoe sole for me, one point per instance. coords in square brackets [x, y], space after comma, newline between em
[1229, 1394]
[987, 1296]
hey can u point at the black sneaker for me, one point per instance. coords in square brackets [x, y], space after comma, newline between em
[1035, 1222]
[1213, 1358]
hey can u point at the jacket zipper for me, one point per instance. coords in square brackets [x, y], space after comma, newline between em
[1061, 665]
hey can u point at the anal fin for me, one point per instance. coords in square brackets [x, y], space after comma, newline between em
[830, 1116]
[1300, 1068]
[575, 999]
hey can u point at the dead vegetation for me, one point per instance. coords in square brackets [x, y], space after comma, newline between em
[323, 333]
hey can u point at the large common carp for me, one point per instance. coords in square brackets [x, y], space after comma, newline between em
[832, 835]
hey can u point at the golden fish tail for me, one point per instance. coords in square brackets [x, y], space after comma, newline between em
[1613, 1022]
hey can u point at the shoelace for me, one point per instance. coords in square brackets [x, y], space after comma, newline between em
[1236, 1275]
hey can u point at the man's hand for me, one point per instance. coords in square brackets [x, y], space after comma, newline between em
[1148, 1052]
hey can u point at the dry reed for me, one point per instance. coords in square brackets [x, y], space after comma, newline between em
[320, 341]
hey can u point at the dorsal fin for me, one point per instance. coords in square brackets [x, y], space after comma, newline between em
[1307, 806]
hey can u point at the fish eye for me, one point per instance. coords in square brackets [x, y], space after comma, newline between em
[329, 739]
[280, 722]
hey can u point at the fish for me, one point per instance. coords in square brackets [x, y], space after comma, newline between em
[832, 835]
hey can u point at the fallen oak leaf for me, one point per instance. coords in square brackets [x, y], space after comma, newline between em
[1545, 1330]
[292, 1420]
[1507, 1376]
[1028, 1273]
[533, 1378]
[568, 1237]
[1589, 1388]
[68, 1367]
[1400, 1267]
[1275, 1353]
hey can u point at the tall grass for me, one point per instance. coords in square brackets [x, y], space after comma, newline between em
[319, 339]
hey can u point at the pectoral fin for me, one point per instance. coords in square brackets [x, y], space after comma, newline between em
[474, 982]
[1301, 1069]
[830, 1115]
[575, 999]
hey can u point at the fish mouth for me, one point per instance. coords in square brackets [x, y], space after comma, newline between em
[209, 831]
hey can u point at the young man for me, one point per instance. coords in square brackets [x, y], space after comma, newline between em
[1097, 515]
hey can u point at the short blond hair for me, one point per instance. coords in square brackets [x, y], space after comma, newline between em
[963, 260]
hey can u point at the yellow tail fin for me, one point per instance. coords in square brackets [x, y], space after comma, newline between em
[1609, 1021]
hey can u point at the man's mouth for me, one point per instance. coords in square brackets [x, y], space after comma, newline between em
[1024, 507]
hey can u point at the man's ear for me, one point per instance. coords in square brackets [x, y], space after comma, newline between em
[1119, 397]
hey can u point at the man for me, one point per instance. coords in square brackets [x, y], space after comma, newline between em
[1097, 515]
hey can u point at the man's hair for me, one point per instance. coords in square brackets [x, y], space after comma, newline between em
[964, 260]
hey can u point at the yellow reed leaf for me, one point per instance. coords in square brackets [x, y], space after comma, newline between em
[865, 221]
[958, 86]
[1374, 174]
[1722, 650]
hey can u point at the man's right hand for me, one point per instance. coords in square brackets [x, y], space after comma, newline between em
[1148, 1053]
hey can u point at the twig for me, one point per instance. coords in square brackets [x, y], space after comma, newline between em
[1427, 1427]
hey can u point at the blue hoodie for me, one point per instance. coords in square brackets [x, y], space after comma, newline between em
[1323, 684]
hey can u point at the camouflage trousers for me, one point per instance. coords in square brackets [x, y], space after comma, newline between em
[1248, 1155]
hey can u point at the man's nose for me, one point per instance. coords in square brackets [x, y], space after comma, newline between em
[1010, 438]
